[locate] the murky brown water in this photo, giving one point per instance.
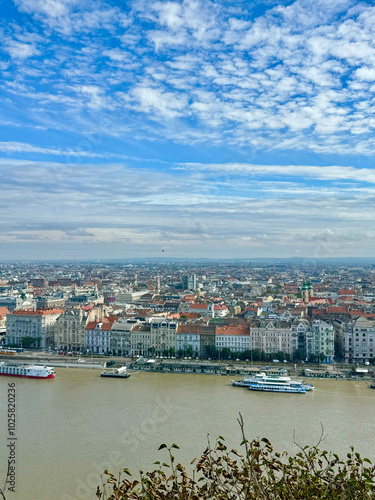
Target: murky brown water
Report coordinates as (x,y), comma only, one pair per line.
(73,427)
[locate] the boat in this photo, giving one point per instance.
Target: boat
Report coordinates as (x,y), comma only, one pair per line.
(242,383)
(263,382)
(28,371)
(116,373)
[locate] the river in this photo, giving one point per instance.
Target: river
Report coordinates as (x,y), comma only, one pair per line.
(71,428)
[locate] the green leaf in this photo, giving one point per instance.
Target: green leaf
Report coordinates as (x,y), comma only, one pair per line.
(162,446)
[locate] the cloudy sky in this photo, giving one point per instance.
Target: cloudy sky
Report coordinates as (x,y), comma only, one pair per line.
(192,128)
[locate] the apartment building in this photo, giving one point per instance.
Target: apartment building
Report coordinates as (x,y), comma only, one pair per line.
(35,324)
(140,344)
(273,337)
(163,335)
(320,342)
(236,338)
(359,340)
(69,330)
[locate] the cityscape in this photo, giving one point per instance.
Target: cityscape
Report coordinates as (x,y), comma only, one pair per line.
(232,310)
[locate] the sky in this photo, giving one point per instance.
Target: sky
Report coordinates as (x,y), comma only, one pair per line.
(191,128)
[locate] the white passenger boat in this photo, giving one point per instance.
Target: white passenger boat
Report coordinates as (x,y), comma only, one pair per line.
(116,373)
(29,371)
(242,383)
(263,382)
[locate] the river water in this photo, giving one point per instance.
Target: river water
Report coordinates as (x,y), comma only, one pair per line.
(71,428)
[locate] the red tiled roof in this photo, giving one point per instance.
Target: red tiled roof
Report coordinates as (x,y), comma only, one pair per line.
(233,330)
(337,310)
(91,325)
(346,292)
(198,306)
(38,312)
(106,326)
(192,328)
(189,297)
(3,311)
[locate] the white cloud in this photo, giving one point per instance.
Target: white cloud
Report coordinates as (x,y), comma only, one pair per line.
(152,101)
(306,171)
(20,51)
(23,147)
(50,8)
(365,74)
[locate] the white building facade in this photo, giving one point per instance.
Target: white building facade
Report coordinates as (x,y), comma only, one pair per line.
(272,338)
(235,338)
(35,324)
(98,337)
(359,341)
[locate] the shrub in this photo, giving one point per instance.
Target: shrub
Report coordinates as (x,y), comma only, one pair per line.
(259,473)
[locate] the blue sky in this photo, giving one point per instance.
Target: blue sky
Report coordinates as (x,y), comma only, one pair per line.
(201,128)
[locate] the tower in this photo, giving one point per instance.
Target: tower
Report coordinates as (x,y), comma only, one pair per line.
(306,290)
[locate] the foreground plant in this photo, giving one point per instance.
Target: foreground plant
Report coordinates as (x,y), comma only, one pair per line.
(259,473)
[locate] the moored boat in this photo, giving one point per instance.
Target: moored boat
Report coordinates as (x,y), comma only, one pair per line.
(29,371)
(116,373)
(242,383)
(263,382)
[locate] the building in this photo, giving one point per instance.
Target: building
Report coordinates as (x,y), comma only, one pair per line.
(11,303)
(38,282)
(50,301)
(120,340)
(203,309)
(188,338)
(163,336)
(359,339)
(189,282)
(320,342)
(307,291)
(98,336)
(69,330)
(220,311)
(273,337)
(140,344)
(37,325)
(130,297)
(3,320)
(207,338)
(300,334)
(236,338)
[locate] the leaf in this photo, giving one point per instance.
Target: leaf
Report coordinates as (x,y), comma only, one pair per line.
(162,446)
(175,446)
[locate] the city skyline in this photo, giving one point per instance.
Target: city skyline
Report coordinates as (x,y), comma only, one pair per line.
(187,129)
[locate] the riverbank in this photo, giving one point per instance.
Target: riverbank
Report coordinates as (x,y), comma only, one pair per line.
(194,366)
